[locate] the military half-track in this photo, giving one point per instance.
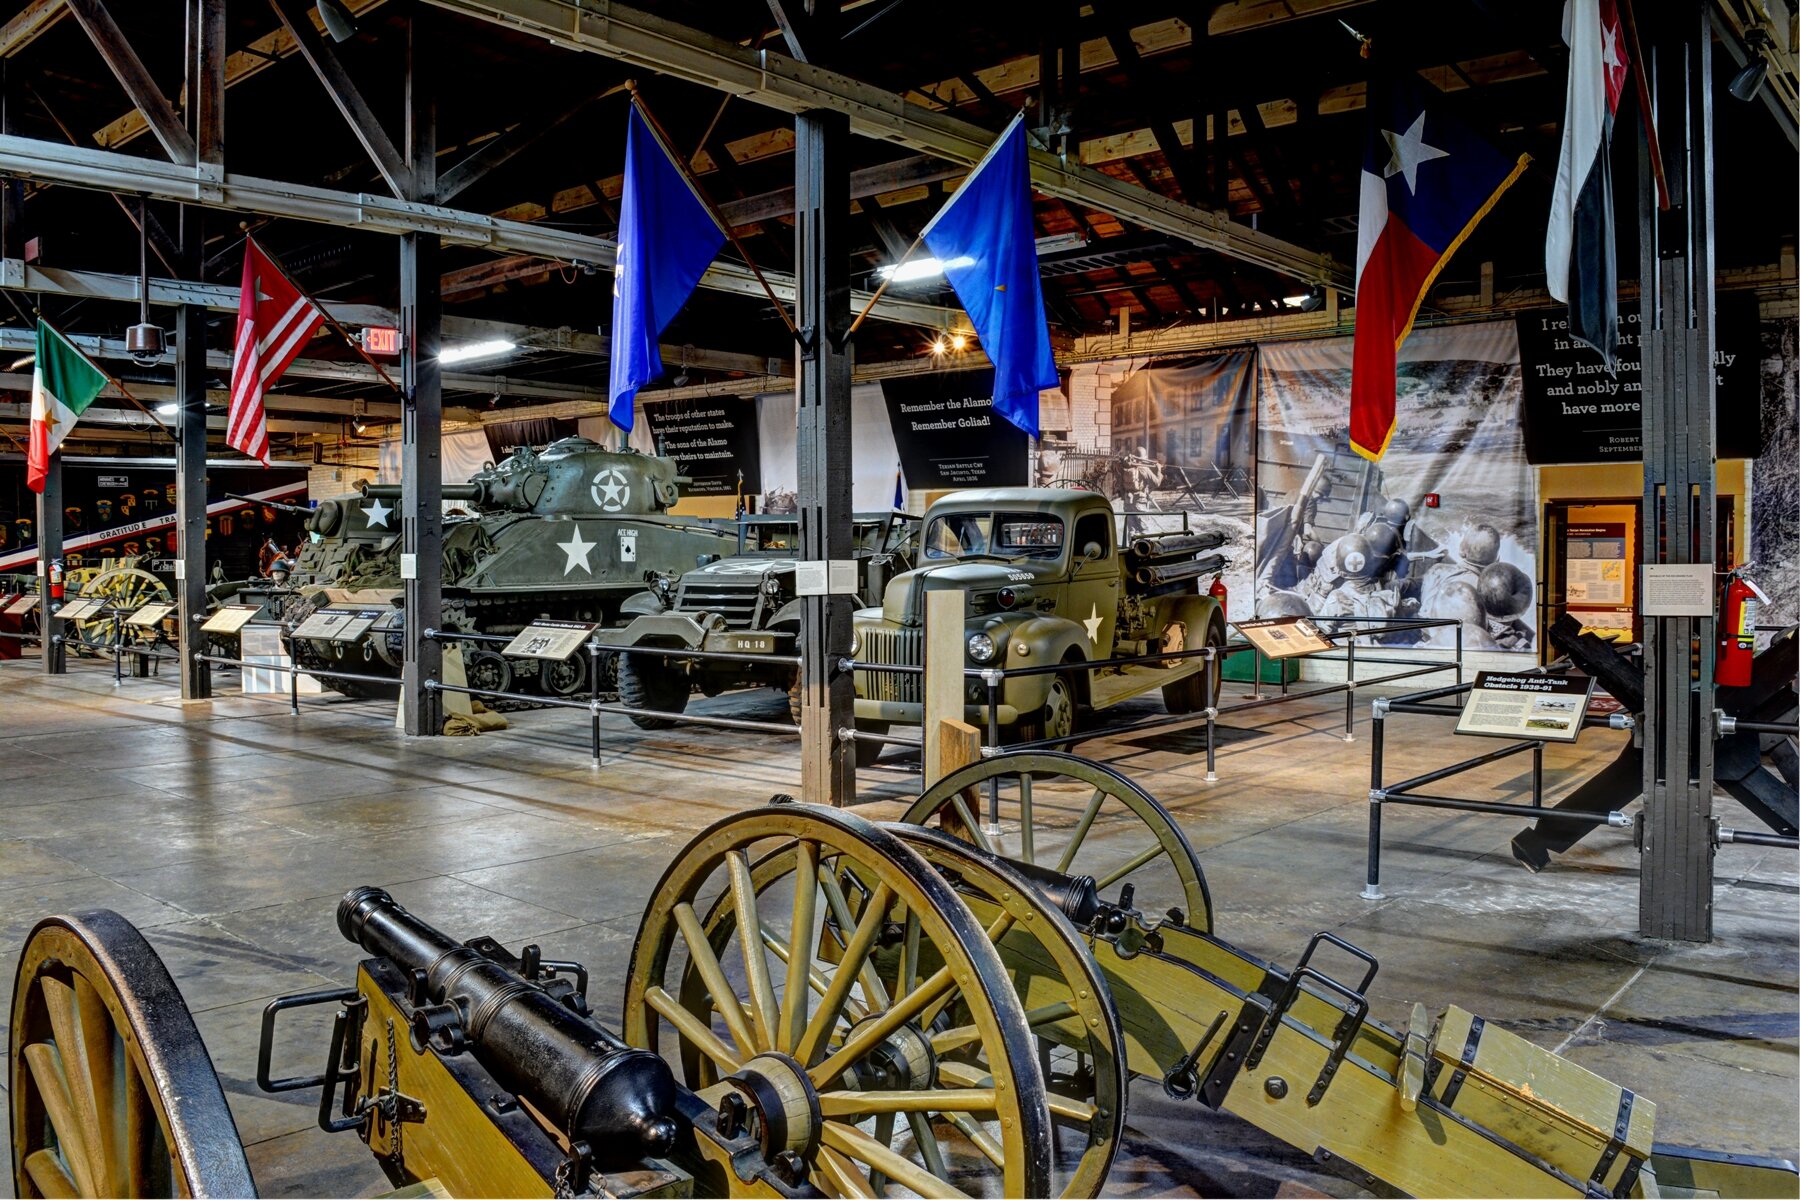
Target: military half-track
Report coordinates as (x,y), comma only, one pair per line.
(565,533)
(745,603)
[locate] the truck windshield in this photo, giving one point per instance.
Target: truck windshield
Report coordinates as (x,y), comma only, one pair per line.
(1006,534)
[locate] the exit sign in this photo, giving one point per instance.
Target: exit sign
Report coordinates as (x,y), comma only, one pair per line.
(381,339)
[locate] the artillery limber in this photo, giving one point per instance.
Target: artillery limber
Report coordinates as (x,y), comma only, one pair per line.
(818,1004)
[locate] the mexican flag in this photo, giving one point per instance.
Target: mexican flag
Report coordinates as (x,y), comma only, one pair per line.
(63,384)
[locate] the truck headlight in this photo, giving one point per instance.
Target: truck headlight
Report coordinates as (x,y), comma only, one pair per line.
(855,641)
(981,647)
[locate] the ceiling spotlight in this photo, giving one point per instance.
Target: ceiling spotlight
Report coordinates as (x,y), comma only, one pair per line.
(1749,80)
(19,364)
(470,350)
(1314,299)
(338,20)
(914,269)
(959,341)
(167,409)
(144,342)
(941,345)
(359,425)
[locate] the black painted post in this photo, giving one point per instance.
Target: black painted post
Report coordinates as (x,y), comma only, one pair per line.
(190,469)
(422,409)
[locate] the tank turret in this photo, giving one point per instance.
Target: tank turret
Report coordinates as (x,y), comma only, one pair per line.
(573,477)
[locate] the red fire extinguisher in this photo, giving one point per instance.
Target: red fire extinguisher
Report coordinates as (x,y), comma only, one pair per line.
(1737,630)
(1218,588)
(56,579)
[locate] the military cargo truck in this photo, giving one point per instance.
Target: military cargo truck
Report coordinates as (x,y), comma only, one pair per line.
(1047,580)
(742,604)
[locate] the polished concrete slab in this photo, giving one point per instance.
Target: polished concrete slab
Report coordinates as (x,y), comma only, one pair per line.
(228,830)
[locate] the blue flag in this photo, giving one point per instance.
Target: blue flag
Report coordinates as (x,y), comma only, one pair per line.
(667,239)
(987,243)
(899,489)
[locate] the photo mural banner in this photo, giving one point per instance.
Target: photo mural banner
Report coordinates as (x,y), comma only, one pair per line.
(1174,450)
(1337,535)
(948,434)
(711,441)
(1576,413)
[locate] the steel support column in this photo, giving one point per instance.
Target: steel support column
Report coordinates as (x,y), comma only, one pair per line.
(822,258)
(422,409)
(50,549)
(190,468)
(1675,888)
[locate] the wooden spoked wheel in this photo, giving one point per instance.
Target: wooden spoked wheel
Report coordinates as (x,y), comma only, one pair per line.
(1066,1001)
(120,587)
(1077,817)
(819,1023)
(113,1093)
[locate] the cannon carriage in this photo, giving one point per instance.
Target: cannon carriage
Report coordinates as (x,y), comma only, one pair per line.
(952,1004)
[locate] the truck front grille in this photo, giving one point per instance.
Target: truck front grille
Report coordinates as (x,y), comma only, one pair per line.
(739,603)
(900,647)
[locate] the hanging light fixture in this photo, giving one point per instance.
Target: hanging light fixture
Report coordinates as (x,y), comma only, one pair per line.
(1749,79)
(338,20)
(144,342)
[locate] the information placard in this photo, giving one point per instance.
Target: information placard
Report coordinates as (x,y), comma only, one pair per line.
(324,624)
(1548,708)
(1284,637)
(1677,590)
(149,615)
(231,618)
(359,623)
(79,610)
(23,604)
(551,641)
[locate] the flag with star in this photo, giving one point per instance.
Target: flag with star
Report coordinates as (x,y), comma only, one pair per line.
(275,321)
(63,384)
(1581,266)
(1427,181)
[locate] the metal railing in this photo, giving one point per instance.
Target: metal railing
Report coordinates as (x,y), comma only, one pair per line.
(595,707)
(1210,710)
(1405,792)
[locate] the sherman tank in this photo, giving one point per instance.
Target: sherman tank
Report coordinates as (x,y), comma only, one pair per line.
(566,533)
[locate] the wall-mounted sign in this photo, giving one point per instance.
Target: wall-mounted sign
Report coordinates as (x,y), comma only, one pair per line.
(1548,708)
(381,339)
(1596,565)
(1576,412)
(711,441)
(1677,590)
(948,434)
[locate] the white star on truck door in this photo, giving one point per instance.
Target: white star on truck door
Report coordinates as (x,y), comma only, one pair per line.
(577,550)
(1093,621)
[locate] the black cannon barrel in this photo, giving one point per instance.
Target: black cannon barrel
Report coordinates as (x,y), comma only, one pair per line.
(1174,572)
(452,491)
(595,1088)
(1171,545)
(277,505)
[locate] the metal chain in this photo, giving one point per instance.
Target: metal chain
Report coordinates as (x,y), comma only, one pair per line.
(390,1103)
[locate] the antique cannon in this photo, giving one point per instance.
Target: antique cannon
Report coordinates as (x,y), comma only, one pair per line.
(817,1004)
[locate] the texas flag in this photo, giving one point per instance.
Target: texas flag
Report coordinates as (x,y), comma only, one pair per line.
(1580,263)
(1427,181)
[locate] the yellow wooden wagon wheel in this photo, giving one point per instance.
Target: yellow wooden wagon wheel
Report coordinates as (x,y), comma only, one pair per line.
(1064,994)
(1075,816)
(806,1027)
(113,1093)
(121,588)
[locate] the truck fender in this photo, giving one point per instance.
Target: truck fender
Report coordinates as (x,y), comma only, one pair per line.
(1052,639)
(1195,614)
(659,629)
(642,604)
(787,614)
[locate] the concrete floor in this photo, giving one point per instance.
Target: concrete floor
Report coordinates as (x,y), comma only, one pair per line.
(228,831)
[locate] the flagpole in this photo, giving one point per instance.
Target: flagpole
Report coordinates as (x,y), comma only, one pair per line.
(326,316)
(870,306)
(1639,77)
(706,202)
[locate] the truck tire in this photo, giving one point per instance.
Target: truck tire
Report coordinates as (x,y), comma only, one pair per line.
(1058,718)
(643,685)
(1188,694)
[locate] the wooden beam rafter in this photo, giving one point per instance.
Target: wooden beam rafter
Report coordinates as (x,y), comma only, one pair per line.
(346,96)
(126,67)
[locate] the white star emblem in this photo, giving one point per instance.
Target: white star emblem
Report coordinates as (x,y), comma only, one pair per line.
(577,550)
(1609,46)
(1409,151)
(610,490)
(1094,621)
(377,513)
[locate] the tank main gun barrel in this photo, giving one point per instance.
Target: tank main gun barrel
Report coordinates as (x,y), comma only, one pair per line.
(1160,573)
(1171,545)
(590,1084)
(451,491)
(277,505)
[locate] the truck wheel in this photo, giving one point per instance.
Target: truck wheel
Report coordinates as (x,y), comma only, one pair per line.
(1057,719)
(645,682)
(1188,694)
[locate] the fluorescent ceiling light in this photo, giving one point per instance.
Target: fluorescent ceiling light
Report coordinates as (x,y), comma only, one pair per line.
(168,409)
(1058,242)
(470,350)
(919,268)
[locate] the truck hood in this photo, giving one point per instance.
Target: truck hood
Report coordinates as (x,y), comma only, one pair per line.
(904,602)
(753,566)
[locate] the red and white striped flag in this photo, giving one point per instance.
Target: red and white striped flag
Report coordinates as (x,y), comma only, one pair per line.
(275,320)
